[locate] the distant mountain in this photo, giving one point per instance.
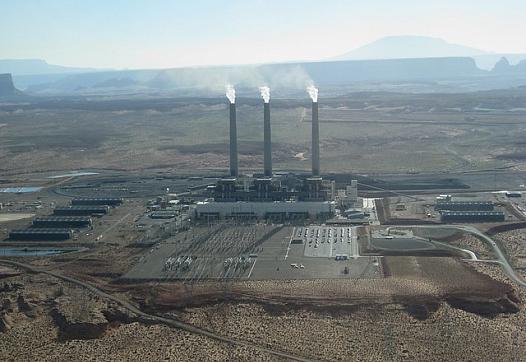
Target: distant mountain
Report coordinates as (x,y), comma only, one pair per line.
(503,67)
(409,46)
(7,88)
(488,61)
(36,67)
(289,77)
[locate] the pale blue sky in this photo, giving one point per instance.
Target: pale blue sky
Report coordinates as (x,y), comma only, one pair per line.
(163,33)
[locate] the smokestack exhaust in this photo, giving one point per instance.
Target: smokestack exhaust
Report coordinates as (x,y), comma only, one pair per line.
(233,141)
(267,143)
(315,140)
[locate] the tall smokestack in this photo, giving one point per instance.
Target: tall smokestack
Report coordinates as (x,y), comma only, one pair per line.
(231,95)
(315,140)
(313,93)
(267,144)
(267,140)
(233,141)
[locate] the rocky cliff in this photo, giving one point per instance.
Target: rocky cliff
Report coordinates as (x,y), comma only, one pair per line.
(7,88)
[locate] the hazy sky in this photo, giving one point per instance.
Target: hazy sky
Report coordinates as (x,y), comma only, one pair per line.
(172,33)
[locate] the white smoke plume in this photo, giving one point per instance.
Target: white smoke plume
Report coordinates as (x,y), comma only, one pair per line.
(265,93)
(313,93)
(231,93)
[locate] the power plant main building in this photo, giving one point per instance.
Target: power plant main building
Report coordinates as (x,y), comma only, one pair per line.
(269,196)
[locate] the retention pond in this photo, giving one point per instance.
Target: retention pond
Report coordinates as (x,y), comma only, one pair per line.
(34,251)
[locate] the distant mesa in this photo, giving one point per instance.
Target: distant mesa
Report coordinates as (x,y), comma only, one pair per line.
(35,67)
(117,82)
(502,66)
(7,88)
(409,46)
(413,46)
(196,81)
(396,62)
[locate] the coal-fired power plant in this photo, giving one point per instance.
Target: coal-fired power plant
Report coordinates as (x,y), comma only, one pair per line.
(315,140)
(267,143)
(278,197)
(233,141)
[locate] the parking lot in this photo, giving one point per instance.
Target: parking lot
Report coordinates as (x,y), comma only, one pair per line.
(326,241)
(314,252)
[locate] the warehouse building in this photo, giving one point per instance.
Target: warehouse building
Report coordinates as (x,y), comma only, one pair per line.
(513,194)
(472,216)
(81,210)
(62,222)
(163,214)
(110,201)
(37,234)
(464,205)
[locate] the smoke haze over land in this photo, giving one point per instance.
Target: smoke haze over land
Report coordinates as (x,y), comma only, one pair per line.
(286,80)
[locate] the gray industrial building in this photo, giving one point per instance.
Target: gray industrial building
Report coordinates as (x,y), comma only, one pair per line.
(163,214)
(472,216)
(464,205)
(62,222)
(265,210)
(81,210)
(513,194)
(110,201)
(37,234)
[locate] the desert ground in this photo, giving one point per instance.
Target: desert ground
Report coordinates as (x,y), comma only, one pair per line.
(361,132)
(477,315)
(436,306)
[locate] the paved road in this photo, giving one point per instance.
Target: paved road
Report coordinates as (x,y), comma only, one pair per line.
(472,255)
(500,255)
(355,250)
(369,205)
(150,317)
(114,225)
(508,269)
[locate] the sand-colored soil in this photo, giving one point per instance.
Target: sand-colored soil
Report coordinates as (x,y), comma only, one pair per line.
(14,216)
(359,320)
(470,242)
(515,244)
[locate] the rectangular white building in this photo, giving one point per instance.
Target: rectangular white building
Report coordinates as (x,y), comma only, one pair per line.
(262,210)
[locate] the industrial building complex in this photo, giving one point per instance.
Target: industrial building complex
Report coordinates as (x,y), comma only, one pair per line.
(472,216)
(81,210)
(37,234)
(62,221)
(465,205)
(104,201)
(267,197)
(260,242)
(66,221)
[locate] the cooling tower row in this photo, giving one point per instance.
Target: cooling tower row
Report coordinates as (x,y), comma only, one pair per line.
(267,141)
